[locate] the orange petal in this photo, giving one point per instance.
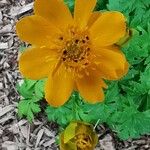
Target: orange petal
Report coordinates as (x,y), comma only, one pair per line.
(83,11)
(55,11)
(108,29)
(90,88)
(94,16)
(36,63)
(111,62)
(59,87)
(36,30)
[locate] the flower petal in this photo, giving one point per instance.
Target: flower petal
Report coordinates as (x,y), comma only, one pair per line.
(36,63)
(94,16)
(108,29)
(90,88)
(59,87)
(55,11)
(36,30)
(83,11)
(111,62)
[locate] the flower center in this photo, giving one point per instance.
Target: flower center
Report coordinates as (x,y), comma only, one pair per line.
(76,51)
(76,48)
(83,141)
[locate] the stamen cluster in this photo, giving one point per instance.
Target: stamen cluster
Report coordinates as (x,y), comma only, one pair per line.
(76,49)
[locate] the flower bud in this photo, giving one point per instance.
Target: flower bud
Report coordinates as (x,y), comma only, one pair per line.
(78,136)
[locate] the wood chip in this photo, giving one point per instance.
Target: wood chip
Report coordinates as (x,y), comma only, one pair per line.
(24,131)
(3,46)
(6,110)
(3,2)
(49,133)
(1,132)
(15,11)
(21,122)
(49,143)
(39,136)
(9,145)
(1,16)
(107,143)
(6,118)
(6,29)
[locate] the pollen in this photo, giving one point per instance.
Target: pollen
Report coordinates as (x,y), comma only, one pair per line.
(83,141)
(76,49)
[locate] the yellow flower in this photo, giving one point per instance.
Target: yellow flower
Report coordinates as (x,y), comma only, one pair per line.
(78,136)
(75,52)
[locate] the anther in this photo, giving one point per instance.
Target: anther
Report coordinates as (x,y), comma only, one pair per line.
(86,64)
(82,58)
(61,38)
(72,32)
(83,41)
(64,59)
(75,60)
(87,37)
(88,49)
(64,52)
(76,41)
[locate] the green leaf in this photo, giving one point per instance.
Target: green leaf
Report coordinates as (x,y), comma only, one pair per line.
(39,89)
(70,4)
(35,108)
(112,93)
(130,123)
(30,115)
(145,103)
(145,78)
(26,89)
(28,108)
(32,92)
(135,10)
(23,107)
(101,5)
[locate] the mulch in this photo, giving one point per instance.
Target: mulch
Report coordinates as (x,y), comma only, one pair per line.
(19,134)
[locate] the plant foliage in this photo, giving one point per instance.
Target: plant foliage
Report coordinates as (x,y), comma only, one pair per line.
(32,92)
(126,108)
